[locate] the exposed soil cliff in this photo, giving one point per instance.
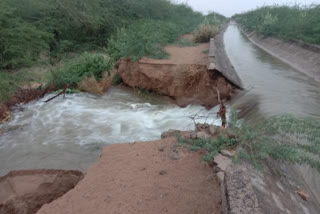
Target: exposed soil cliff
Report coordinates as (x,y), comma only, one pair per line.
(187,84)
(184,77)
(25,191)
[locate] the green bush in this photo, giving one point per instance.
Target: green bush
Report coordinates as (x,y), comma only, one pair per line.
(205,32)
(20,42)
(142,38)
(10,82)
(85,66)
(37,28)
(209,28)
(289,22)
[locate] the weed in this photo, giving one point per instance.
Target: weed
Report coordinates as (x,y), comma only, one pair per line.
(185,43)
(205,32)
(283,138)
(117,80)
(213,147)
(205,51)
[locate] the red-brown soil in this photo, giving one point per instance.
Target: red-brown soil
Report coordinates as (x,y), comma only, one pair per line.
(184,76)
(183,55)
(25,191)
(144,177)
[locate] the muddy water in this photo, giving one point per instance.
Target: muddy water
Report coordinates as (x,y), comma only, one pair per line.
(69,133)
(275,87)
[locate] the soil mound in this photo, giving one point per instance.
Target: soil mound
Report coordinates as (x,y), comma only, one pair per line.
(144,177)
(25,191)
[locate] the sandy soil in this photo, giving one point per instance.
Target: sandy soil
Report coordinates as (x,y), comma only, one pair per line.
(25,191)
(149,177)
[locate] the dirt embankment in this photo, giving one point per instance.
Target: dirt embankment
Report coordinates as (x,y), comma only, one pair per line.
(301,56)
(184,77)
(144,177)
(25,191)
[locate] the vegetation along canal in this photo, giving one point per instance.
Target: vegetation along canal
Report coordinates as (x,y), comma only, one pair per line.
(274,86)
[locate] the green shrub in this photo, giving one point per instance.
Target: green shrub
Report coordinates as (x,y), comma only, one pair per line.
(205,32)
(37,28)
(142,38)
(10,82)
(116,80)
(85,66)
(289,22)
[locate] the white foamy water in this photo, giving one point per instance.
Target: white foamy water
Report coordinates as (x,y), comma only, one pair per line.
(69,133)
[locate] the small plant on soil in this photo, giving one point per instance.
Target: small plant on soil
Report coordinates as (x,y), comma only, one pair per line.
(282,138)
(68,91)
(117,80)
(185,43)
(213,147)
(205,32)
(205,51)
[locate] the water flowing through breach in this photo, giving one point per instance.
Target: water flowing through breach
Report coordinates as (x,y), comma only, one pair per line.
(69,133)
(275,88)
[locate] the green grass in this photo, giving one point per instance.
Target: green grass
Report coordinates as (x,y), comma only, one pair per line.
(289,22)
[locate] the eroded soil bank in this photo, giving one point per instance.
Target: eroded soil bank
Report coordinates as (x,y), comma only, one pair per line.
(25,191)
(184,77)
(144,177)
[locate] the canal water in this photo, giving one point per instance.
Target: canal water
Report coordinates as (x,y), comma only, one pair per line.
(275,87)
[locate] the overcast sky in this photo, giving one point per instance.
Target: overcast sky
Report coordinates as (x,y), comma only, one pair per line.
(231,7)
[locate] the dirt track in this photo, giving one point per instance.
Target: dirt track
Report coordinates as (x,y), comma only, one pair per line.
(141,178)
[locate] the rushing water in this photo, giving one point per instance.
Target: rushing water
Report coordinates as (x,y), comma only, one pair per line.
(69,133)
(275,86)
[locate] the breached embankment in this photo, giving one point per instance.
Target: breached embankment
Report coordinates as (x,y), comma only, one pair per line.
(301,56)
(25,191)
(131,176)
(189,76)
